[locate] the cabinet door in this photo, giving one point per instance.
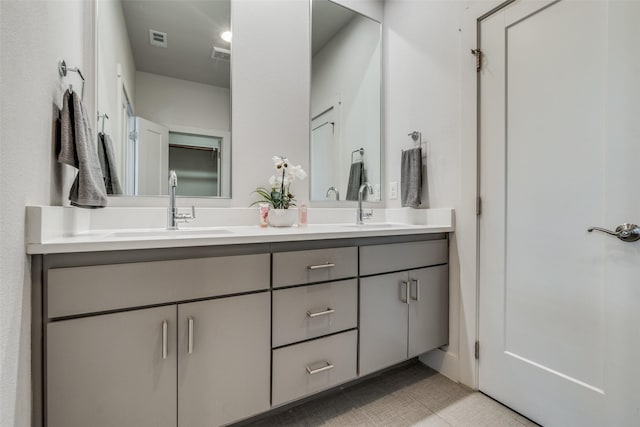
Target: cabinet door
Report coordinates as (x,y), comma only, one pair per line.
(224,368)
(383,321)
(428,309)
(113,370)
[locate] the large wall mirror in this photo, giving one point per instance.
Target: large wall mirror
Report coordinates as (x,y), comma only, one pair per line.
(345,102)
(164,95)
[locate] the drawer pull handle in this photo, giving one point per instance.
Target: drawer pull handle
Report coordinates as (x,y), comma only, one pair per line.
(311,315)
(317,371)
(415,282)
(404,292)
(320,266)
(190,333)
(165,331)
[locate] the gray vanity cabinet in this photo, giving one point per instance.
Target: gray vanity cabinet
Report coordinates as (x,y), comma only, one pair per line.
(406,312)
(189,343)
(402,315)
(428,309)
(223,359)
(113,370)
(383,322)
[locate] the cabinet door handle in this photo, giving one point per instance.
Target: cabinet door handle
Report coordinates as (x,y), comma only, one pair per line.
(311,314)
(404,291)
(326,367)
(415,282)
(165,331)
(190,335)
(320,266)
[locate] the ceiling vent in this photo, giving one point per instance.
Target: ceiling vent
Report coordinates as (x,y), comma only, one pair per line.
(157,38)
(220,53)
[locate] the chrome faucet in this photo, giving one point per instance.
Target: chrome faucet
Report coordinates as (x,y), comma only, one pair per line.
(173,216)
(334,190)
(359,213)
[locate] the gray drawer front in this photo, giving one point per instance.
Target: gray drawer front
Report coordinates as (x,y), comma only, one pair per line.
(313,311)
(291,380)
(78,290)
(300,267)
(402,256)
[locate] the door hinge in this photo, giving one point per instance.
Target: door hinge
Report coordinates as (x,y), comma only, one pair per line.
(478,205)
(477,350)
(133,135)
(478,54)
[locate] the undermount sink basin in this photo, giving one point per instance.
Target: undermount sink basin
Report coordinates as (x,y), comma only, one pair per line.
(170,233)
(375,225)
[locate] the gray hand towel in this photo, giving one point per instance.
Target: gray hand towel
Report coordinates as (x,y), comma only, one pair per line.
(108,164)
(356,179)
(411,177)
(78,149)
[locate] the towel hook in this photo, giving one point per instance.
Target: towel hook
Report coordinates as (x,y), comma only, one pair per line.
(63,69)
(104,117)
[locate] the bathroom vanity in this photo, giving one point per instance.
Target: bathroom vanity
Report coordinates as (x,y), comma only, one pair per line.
(210,332)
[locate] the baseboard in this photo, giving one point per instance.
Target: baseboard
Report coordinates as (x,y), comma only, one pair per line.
(445,363)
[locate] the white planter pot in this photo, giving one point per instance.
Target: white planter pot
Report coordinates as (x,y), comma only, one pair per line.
(283,217)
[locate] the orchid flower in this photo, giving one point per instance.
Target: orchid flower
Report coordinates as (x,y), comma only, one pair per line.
(279,196)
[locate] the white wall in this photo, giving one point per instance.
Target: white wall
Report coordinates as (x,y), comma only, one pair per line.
(34,35)
(169,101)
(423,92)
(347,69)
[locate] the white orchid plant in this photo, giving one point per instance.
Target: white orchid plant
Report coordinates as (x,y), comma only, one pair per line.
(279,195)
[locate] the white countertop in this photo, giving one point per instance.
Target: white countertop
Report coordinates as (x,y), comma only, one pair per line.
(52,230)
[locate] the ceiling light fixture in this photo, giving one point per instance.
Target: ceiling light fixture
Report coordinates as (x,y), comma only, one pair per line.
(226,36)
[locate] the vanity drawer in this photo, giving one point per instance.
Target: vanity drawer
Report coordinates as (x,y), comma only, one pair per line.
(318,265)
(377,259)
(312,366)
(77,290)
(314,310)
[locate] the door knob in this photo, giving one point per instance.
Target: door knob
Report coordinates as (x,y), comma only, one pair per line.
(625,232)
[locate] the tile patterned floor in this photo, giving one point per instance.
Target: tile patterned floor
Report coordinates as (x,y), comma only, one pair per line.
(412,395)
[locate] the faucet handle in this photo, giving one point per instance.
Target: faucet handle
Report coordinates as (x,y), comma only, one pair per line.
(186,217)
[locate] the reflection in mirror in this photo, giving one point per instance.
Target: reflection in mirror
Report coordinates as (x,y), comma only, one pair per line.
(164,84)
(345,102)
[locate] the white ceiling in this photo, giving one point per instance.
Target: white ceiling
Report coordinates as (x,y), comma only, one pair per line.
(327,19)
(192,27)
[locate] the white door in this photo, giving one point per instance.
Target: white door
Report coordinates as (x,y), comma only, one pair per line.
(153,158)
(560,141)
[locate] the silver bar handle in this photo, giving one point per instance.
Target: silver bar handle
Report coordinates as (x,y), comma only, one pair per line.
(415,282)
(327,366)
(165,331)
(190,335)
(404,292)
(311,314)
(321,266)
